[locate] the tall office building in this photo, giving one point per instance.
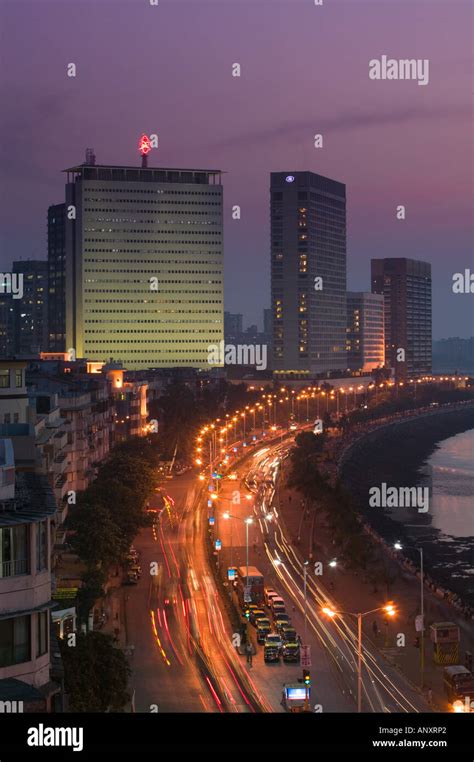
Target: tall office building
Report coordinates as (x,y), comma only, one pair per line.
(30,313)
(144,265)
(57,278)
(365,331)
(308,273)
(233,326)
(406,287)
(267,321)
(6,324)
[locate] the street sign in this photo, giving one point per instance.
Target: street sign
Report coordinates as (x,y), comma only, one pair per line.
(418,623)
(212,521)
(247,594)
(231,573)
(218,545)
(305,656)
(235,449)
(209,503)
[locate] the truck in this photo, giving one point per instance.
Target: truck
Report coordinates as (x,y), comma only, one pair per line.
(250,589)
(459,685)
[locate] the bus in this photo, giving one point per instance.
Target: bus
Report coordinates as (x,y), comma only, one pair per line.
(253,585)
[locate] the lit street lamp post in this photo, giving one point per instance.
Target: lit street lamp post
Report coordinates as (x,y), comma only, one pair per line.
(389,609)
(399,546)
(305,571)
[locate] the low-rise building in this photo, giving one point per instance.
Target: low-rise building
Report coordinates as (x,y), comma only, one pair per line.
(27,508)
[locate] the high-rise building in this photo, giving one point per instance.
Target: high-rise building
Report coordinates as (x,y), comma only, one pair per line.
(57,278)
(30,312)
(233,326)
(6,324)
(144,265)
(406,287)
(308,273)
(267,321)
(365,331)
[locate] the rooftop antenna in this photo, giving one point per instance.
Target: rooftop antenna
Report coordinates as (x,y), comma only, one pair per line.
(144,147)
(90,157)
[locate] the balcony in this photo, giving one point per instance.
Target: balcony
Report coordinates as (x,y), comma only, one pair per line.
(14,568)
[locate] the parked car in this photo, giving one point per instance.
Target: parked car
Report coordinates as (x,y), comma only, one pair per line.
(268,594)
(288,634)
(250,607)
(272,648)
(263,629)
(291,652)
(277,601)
(282,620)
(256,614)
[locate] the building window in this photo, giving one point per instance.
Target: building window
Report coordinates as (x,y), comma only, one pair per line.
(42,633)
(18,378)
(15,641)
(41,546)
(4,379)
(6,418)
(14,555)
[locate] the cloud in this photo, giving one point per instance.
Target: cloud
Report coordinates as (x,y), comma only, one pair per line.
(344,122)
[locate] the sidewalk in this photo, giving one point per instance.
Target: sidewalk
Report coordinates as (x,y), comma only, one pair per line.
(113,607)
(351,591)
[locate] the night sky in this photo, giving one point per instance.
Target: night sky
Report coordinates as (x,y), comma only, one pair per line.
(304,70)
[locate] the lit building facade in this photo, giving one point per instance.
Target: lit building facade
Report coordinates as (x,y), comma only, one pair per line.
(144,265)
(365,331)
(308,273)
(406,287)
(30,313)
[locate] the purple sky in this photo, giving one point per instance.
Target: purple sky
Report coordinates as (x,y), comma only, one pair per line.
(167,70)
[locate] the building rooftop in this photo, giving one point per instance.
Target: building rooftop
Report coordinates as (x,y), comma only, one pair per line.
(110,172)
(81,167)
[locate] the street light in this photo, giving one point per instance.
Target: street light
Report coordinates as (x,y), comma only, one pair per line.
(399,546)
(389,609)
(305,573)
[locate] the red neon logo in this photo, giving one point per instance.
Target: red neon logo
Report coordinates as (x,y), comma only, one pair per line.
(144,145)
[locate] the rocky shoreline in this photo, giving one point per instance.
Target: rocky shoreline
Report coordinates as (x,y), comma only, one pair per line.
(367,461)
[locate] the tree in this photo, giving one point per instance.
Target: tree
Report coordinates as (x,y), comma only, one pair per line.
(95,674)
(95,536)
(93,588)
(381,374)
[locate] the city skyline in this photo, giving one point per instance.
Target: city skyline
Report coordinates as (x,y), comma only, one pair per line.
(236,374)
(380,138)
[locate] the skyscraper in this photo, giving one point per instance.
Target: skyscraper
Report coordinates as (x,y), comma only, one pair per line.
(30,313)
(233,327)
(144,265)
(57,278)
(365,331)
(6,325)
(406,287)
(308,273)
(267,321)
